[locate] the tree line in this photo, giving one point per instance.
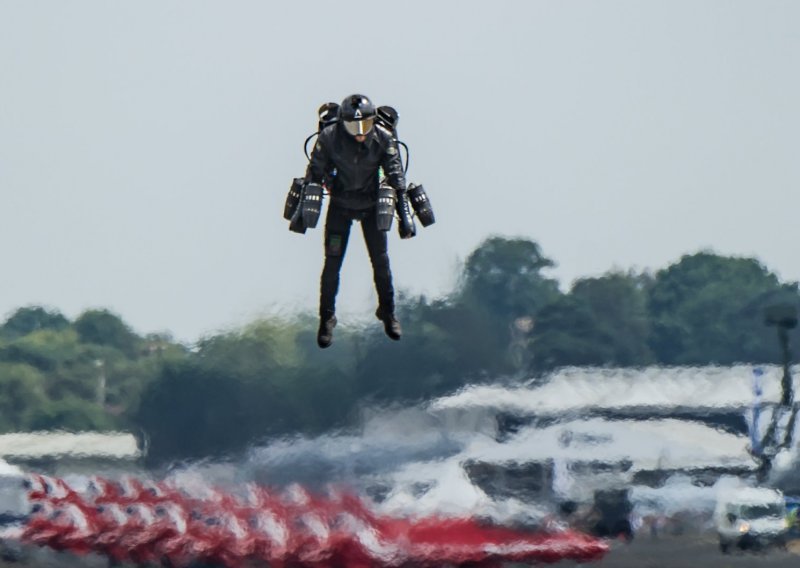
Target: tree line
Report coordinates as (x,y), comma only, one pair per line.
(505,320)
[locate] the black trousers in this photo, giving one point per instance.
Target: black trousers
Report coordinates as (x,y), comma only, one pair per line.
(337,233)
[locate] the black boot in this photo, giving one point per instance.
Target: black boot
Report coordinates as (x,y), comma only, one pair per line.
(325,332)
(390,324)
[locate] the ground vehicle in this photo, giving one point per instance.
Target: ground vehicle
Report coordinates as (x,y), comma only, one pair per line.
(750,517)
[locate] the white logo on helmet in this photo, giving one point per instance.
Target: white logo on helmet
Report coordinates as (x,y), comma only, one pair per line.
(357,114)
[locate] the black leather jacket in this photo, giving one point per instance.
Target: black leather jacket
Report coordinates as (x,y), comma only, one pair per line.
(355,183)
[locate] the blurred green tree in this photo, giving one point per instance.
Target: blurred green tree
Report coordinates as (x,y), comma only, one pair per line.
(602,321)
(22,392)
(504,277)
(243,386)
(32,318)
(103,327)
(708,308)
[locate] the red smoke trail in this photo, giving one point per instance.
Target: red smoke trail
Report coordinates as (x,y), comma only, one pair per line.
(143,522)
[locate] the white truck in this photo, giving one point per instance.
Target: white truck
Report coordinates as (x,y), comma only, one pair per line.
(750,518)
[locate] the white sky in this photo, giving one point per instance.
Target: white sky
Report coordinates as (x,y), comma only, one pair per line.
(146,147)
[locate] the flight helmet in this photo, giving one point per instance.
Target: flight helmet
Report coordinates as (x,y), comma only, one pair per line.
(357,114)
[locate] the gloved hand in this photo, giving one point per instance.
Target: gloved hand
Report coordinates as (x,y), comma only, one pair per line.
(406,226)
